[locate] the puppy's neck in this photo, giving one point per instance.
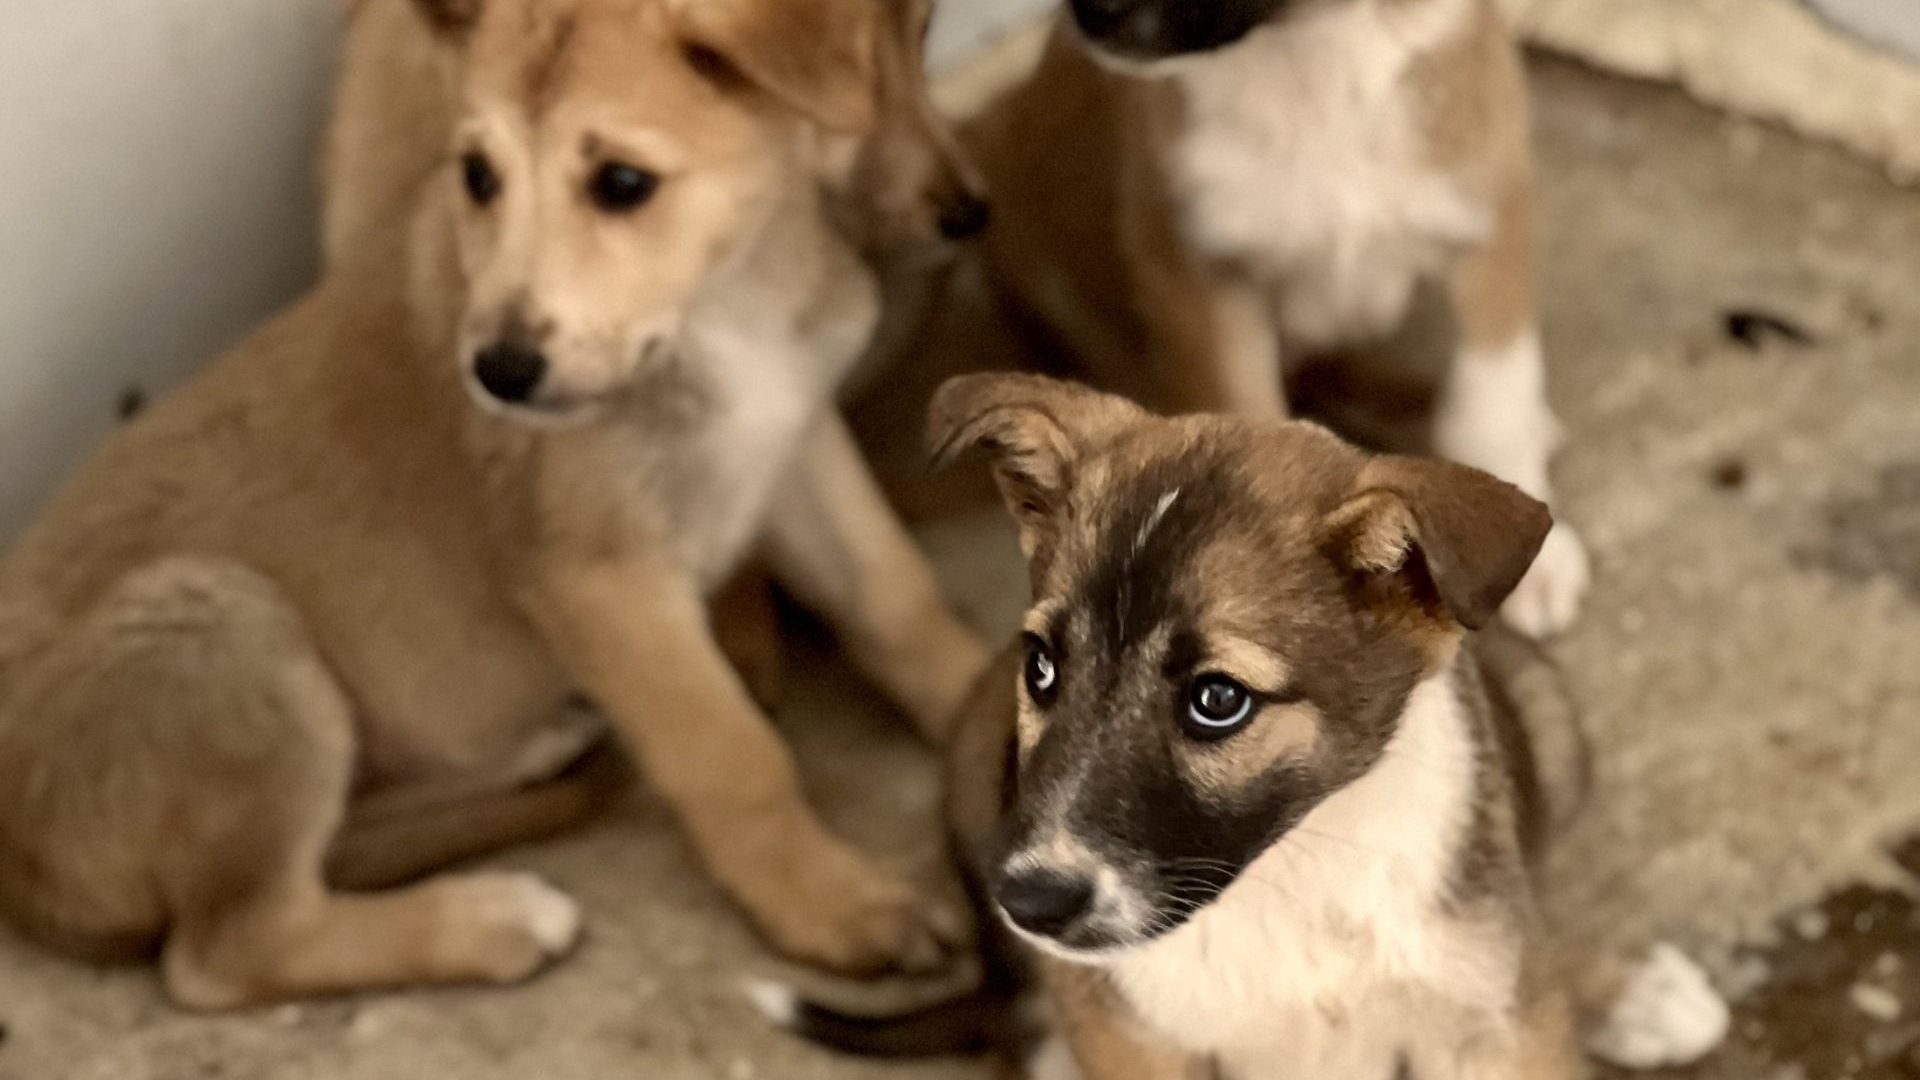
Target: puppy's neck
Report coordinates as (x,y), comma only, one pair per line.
(1348,903)
(797,293)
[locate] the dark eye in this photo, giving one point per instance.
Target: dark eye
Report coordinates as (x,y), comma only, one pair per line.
(1043,677)
(1217,707)
(483,184)
(618,188)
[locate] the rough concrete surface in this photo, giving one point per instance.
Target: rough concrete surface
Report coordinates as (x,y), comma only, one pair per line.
(1749,663)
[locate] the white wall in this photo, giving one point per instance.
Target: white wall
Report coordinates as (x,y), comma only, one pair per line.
(963,26)
(1891,23)
(156,198)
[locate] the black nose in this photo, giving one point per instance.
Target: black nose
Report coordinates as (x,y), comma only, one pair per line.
(1044,902)
(965,218)
(1100,18)
(510,371)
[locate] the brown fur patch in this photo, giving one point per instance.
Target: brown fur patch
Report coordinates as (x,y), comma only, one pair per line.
(547,63)
(1276,735)
(446,16)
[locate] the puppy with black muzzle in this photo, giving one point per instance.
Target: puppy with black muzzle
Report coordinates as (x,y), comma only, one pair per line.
(1193,195)
(1249,786)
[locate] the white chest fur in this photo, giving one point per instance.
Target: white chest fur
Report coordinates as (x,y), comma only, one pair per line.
(1299,154)
(1333,954)
(772,350)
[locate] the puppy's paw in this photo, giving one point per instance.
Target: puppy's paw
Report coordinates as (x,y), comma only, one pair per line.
(506,927)
(852,918)
(1053,1060)
(1549,596)
(1668,1014)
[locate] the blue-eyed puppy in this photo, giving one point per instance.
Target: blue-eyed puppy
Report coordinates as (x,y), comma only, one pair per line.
(1263,815)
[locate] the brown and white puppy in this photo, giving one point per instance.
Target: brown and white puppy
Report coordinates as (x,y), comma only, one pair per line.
(319,619)
(1192,193)
(1267,812)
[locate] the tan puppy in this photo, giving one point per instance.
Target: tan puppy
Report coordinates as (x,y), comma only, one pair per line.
(1273,807)
(331,602)
(903,194)
(1189,192)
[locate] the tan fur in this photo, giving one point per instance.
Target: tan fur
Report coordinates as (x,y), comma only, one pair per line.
(395,105)
(325,586)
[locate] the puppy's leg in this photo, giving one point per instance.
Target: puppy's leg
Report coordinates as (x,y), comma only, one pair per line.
(1542,1046)
(1102,1040)
(746,624)
(1213,340)
(634,633)
(839,547)
(197,765)
(1494,413)
(381,851)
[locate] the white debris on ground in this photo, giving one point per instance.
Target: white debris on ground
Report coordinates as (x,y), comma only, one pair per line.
(1875,1002)
(1811,924)
(1667,1014)
(1744,975)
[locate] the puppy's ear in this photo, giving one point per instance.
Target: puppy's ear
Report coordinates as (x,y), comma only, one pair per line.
(450,16)
(1466,538)
(1034,430)
(814,56)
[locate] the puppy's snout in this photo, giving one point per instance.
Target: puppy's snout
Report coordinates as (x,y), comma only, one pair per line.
(1044,902)
(509,370)
(965,217)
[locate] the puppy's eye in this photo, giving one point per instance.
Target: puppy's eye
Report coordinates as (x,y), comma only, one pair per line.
(1043,676)
(1217,707)
(482,183)
(618,188)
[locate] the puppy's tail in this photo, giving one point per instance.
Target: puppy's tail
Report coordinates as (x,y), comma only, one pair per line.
(989,1018)
(1540,724)
(974,1023)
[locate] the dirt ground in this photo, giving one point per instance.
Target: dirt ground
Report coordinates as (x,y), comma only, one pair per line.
(1749,663)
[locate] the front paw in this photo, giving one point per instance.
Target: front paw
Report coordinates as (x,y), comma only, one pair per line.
(848,916)
(1548,598)
(502,927)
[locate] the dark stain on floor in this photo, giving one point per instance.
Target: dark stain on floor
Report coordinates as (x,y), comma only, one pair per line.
(1755,328)
(1840,997)
(1837,997)
(1875,533)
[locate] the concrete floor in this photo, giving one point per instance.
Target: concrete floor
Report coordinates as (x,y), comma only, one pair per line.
(1749,663)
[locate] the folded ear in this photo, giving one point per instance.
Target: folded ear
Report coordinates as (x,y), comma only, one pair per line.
(814,56)
(1034,431)
(1465,535)
(450,16)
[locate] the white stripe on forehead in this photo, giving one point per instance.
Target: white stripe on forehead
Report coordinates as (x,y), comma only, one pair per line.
(1151,522)
(1153,519)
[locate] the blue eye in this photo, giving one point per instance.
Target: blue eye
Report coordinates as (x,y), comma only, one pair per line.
(1042,675)
(1217,707)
